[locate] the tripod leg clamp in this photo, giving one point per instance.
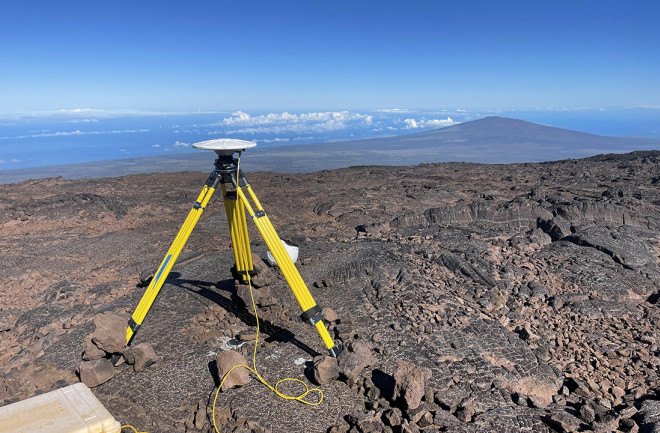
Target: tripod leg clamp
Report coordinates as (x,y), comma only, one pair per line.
(133,325)
(313,315)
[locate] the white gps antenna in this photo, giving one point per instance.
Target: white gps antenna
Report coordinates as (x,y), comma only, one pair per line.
(225,146)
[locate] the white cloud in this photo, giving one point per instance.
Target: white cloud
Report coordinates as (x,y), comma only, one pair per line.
(155,145)
(76,132)
(275,140)
(14,160)
(644,106)
(431,123)
(275,123)
(2,161)
(95,113)
(394,110)
(82,110)
(82,121)
(180,144)
(412,123)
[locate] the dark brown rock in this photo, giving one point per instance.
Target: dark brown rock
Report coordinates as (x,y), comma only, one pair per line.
(263,275)
(542,384)
(628,425)
(329,314)
(239,376)
(200,415)
(140,356)
(564,422)
(355,357)
(587,413)
(393,417)
(649,416)
(91,350)
(557,227)
(110,332)
(7,322)
(408,385)
(466,410)
(444,419)
(326,369)
(94,373)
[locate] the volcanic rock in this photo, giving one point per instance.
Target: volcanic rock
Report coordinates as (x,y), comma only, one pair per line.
(628,425)
(444,419)
(93,373)
(587,413)
(239,376)
(557,227)
(263,275)
(92,351)
(355,357)
(619,244)
(140,356)
(440,265)
(649,416)
(543,385)
(578,387)
(564,422)
(329,314)
(408,385)
(110,332)
(393,417)
(326,369)
(7,322)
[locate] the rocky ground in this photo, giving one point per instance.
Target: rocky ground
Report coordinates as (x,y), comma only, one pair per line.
(469,298)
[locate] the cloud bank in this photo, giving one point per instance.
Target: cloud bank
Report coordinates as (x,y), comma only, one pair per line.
(277,123)
(76,132)
(431,123)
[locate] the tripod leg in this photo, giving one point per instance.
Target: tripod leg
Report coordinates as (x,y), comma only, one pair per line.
(230,206)
(239,236)
(311,311)
(172,254)
(244,236)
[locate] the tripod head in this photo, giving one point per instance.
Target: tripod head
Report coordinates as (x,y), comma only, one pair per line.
(226,166)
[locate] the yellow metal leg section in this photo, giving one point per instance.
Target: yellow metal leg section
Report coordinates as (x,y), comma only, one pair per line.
(230,206)
(244,236)
(239,234)
(284,262)
(239,246)
(166,265)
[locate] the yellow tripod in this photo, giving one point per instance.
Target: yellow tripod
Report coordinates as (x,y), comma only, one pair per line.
(236,202)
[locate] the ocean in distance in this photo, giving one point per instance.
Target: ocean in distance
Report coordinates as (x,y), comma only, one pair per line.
(83,135)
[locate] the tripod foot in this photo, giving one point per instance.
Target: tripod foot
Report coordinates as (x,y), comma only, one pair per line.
(115,359)
(335,350)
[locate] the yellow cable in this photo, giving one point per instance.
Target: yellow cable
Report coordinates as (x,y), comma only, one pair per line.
(299,398)
(131,427)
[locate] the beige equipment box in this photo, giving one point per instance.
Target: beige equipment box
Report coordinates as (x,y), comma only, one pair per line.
(73,409)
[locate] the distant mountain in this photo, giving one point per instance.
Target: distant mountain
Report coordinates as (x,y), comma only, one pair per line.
(504,140)
(488,140)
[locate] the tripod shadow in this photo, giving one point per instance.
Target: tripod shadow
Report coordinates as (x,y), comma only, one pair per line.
(226,297)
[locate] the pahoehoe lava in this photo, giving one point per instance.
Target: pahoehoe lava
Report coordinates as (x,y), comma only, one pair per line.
(520,297)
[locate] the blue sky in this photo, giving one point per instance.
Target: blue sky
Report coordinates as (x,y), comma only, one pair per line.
(310,55)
